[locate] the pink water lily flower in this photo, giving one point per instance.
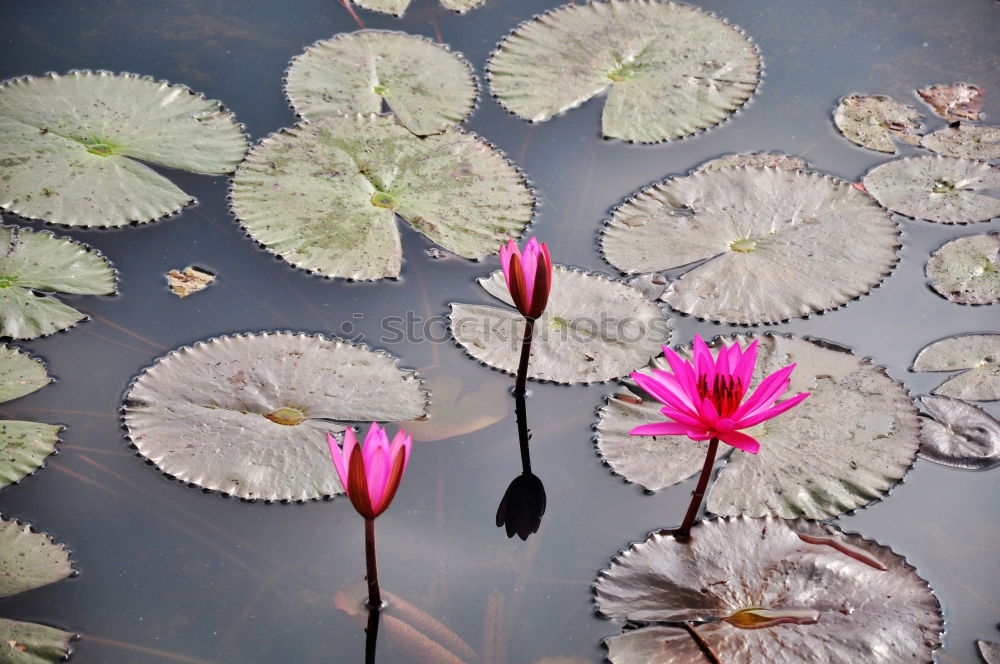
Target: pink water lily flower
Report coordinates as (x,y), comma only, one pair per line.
(528,275)
(707,398)
(371,474)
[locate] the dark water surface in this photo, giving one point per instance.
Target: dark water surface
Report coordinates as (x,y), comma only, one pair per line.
(169,574)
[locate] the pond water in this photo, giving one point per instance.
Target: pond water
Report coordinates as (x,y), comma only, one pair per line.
(170,574)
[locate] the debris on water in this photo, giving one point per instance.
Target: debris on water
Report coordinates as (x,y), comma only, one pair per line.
(434,252)
(191,280)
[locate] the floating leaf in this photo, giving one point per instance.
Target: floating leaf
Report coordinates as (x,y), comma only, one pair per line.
(846,446)
(989,651)
(593,329)
(765,245)
(428,87)
(72,146)
(397,7)
(34,263)
(24,446)
(20,374)
(978,354)
(874,121)
(967,270)
(461,5)
(768,590)
(670,69)
(188,282)
(31,643)
(246,414)
(969,141)
(324,195)
(942,189)
(29,560)
(777,160)
(954,102)
(960,435)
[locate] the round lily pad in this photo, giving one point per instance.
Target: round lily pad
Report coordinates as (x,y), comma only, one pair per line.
(593,329)
(756,160)
(967,270)
(324,195)
(977,354)
(425,85)
(36,263)
(874,121)
(246,414)
(24,446)
(959,101)
(768,590)
(762,245)
(847,445)
(942,189)
(959,435)
(31,643)
(669,70)
(398,7)
(969,141)
(72,146)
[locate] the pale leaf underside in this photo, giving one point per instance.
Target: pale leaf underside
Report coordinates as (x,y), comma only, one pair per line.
(977,356)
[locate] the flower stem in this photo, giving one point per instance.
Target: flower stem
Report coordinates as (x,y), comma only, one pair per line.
(371,635)
(523,436)
(702,643)
(374,594)
(699,492)
(522,369)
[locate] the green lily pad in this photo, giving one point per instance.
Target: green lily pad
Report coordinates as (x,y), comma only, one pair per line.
(968,141)
(593,329)
(942,189)
(72,146)
(960,435)
(24,446)
(20,374)
(425,85)
(777,160)
(954,102)
(398,7)
(977,354)
(967,270)
(246,414)
(31,643)
(324,195)
(669,70)
(761,245)
(844,447)
(768,590)
(36,263)
(874,121)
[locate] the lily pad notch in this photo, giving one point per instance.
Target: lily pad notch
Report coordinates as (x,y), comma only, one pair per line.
(24,446)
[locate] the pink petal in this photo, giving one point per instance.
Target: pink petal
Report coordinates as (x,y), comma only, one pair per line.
(740,441)
(704,363)
(683,370)
(744,368)
(769,389)
(684,418)
(529,265)
(338,455)
(661,388)
(701,434)
(768,413)
(401,444)
(660,429)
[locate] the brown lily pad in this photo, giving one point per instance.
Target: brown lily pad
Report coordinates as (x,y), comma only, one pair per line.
(188,282)
(959,101)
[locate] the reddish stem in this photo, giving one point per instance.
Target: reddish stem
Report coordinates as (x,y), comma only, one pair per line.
(699,492)
(702,643)
(520,387)
(374,594)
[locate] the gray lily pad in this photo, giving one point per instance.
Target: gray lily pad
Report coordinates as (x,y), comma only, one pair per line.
(960,435)
(968,141)
(31,643)
(24,446)
(942,189)
(777,160)
(398,7)
(977,354)
(72,146)
(324,195)
(425,85)
(989,651)
(768,590)
(954,102)
(761,245)
(669,70)
(36,263)
(967,270)
(874,121)
(246,414)
(845,446)
(593,329)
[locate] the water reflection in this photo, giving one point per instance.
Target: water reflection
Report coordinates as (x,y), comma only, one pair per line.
(371,635)
(523,504)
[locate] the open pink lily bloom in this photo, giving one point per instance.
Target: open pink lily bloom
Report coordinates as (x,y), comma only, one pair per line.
(371,474)
(528,275)
(708,398)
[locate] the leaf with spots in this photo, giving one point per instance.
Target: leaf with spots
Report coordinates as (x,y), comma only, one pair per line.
(398,7)
(24,446)
(959,101)
(958,434)
(968,141)
(977,356)
(967,269)
(777,160)
(31,643)
(874,121)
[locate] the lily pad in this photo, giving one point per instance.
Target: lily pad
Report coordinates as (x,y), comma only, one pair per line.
(424,84)
(324,195)
(874,121)
(24,446)
(845,447)
(977,354)
(968,141)
(246,414)
(398,7)
(761,245)
(954,102)
(593,329)
(967,270)
(669,70)
(777,160)
(31,643)
(36,263)
(989,651)
(72,146)
(960,435)
(768,590)
(942,189)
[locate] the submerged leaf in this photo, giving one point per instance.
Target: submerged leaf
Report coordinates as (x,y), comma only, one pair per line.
(967,270)
(874,121)
(960,435)
(31,643)
(847,445)
(762,591)
(942,189)
(959,101)
(777,160)
(669,69)
(969,141)
(593,329)
(978,354)
(72,146)
(425,85)
(324,195)
(763,245)
(246,414)
(459,409)
(29,560)
(397,7)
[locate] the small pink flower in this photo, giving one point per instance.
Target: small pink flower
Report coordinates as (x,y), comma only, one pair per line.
(528,275)
(371,474)
(707,398)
